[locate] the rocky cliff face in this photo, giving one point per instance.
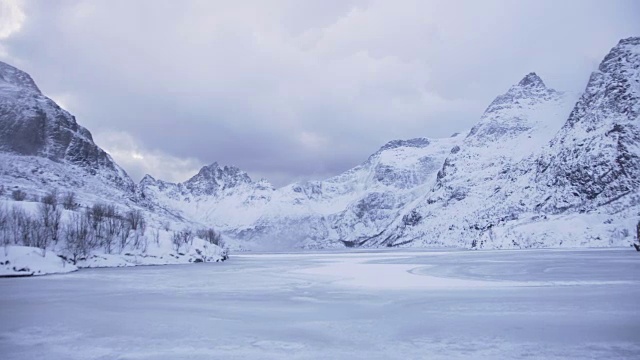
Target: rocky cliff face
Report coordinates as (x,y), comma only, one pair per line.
(594,160)
(34,125)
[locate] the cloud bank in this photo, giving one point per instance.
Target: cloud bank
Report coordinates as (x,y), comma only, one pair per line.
(291,90)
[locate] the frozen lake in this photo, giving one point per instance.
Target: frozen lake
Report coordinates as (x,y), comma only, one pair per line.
(538,304)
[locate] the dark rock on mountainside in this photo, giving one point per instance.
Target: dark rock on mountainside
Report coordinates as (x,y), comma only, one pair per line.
(34,125)
(595,158)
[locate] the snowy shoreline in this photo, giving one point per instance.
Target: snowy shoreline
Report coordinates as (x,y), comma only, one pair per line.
(24,261)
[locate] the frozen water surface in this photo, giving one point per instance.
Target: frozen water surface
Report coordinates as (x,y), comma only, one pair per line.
(538,304)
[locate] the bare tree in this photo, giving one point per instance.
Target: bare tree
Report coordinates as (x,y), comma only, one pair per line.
(16,223)
(176,240)
(112,224)
(136,220)
(156,236)
(5,236)
(38,234)
(180,238)
(78,232)
(50,215)
(96,215)
(124,231)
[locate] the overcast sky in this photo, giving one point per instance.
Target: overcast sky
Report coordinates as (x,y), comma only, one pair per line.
(291,89)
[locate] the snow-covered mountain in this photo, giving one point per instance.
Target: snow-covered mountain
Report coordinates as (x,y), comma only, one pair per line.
(541,168)
(537,173)
(344,210)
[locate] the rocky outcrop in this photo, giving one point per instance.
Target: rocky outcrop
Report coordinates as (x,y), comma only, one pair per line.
(595,158)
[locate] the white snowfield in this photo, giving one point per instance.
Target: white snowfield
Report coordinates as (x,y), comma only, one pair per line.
(536,304)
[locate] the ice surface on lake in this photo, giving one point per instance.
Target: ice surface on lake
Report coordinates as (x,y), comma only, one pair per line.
(536,304)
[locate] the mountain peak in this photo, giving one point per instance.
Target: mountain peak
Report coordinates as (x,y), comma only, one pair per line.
(532,80)
(16,77)
(635,41)
(213,177)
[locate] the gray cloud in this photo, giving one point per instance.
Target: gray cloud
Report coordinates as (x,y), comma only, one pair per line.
(295,90)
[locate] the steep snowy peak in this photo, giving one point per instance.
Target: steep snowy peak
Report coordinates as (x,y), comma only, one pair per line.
(516,112)
(595,158)
(474,177)
(11,77)
(213,178)
(34,125)
(532,81)
(515,125)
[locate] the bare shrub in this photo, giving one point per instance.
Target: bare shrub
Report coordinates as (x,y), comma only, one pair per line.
(69,201)
(180,238)
(18,195)
(211,236)
(51,198)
